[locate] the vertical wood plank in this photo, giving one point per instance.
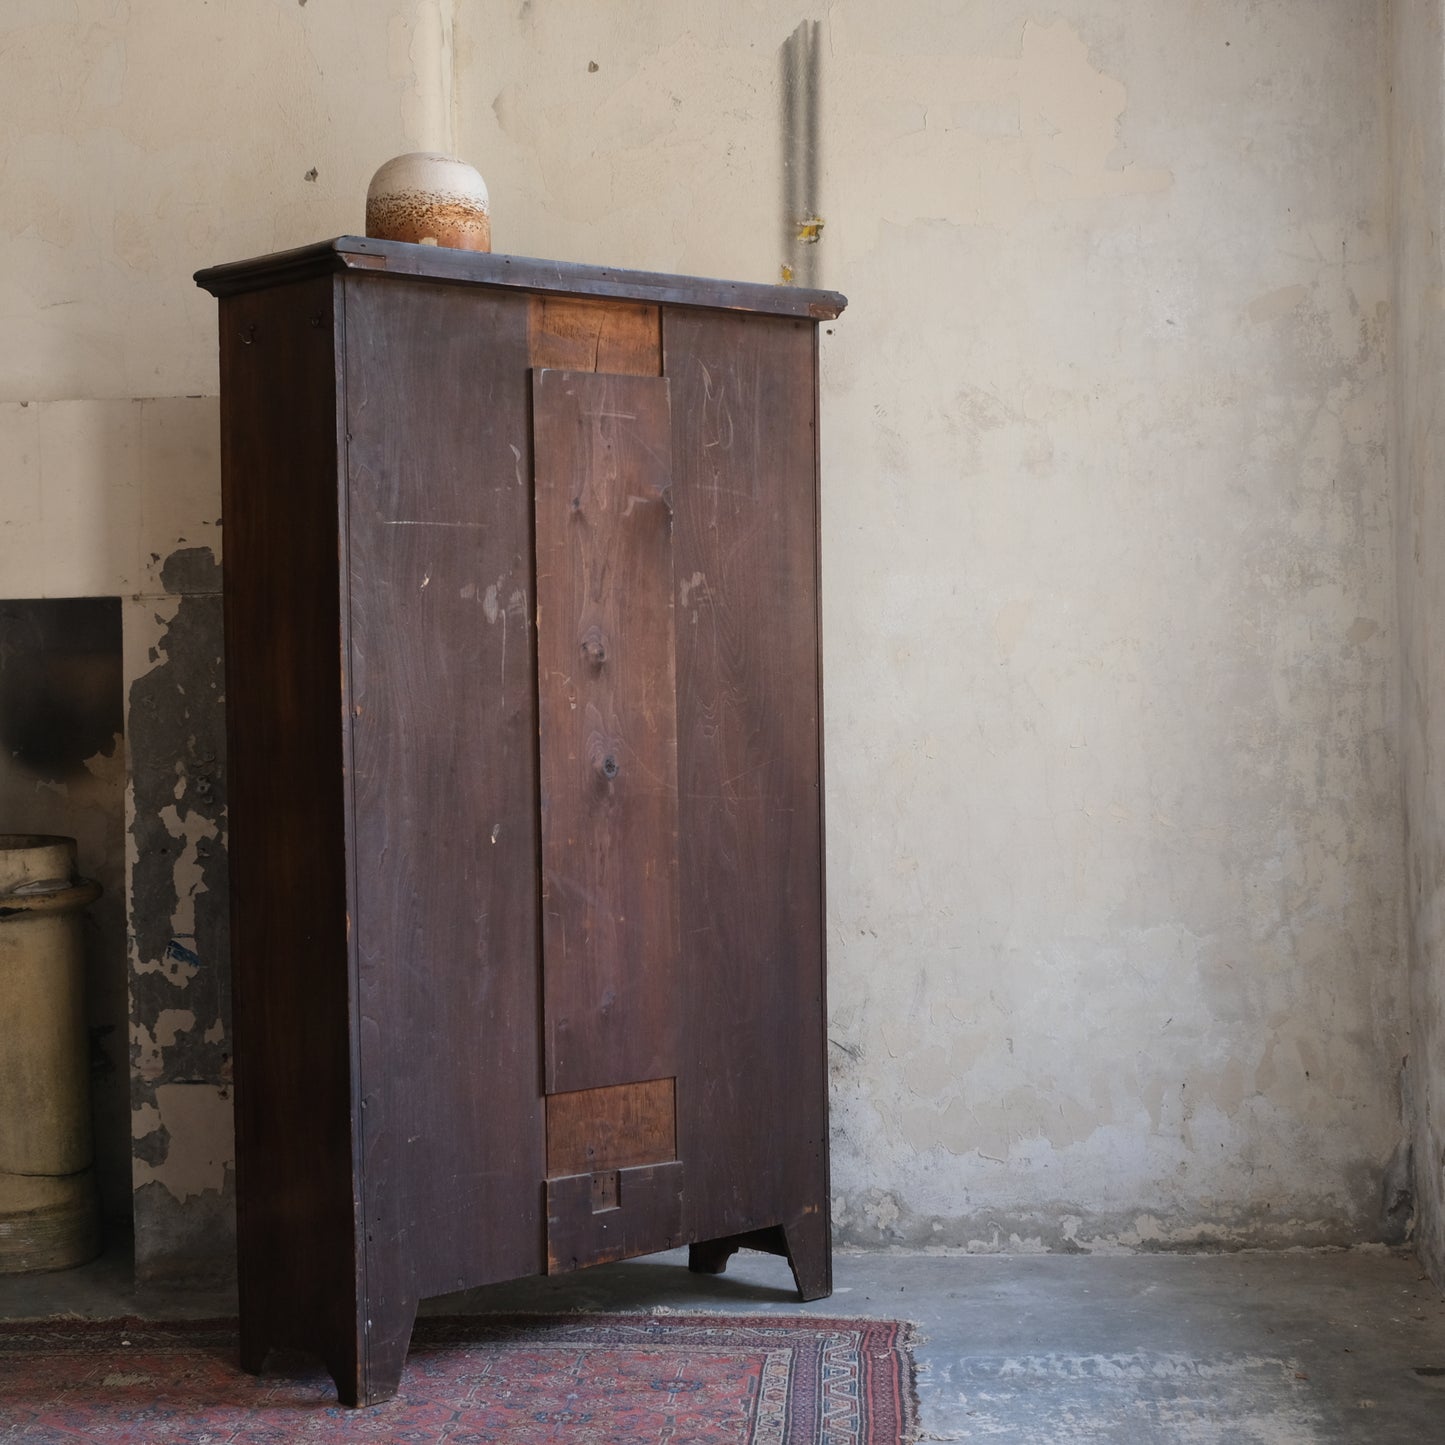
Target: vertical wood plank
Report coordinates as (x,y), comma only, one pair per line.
(607,716)
(290,964)
(752,1101)
(444,725)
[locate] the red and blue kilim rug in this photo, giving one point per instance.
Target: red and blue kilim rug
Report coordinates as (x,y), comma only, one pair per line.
(509,1379)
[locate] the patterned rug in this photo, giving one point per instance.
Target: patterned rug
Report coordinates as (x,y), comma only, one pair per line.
(511,1379)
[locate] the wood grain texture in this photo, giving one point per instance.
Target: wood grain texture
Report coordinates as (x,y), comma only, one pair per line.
(611,1128)
(646,1218)
(297,1227)
(412,827)
(571,335)
(443,719)
(752,1102)
(400,261)
(607,727)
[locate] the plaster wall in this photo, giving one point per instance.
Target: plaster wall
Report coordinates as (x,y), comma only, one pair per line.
(1113,816)
(1419,171)
(1113,813)
(138,143)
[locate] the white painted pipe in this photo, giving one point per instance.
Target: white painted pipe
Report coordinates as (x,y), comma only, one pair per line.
(48,1212)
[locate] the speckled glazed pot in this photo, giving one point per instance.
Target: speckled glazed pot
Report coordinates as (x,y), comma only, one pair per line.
(431,199)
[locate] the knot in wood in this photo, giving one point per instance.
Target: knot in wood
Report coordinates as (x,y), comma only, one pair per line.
(594,647)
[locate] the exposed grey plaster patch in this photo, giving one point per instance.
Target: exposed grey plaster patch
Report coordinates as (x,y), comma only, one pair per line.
(872,1218)
(178,908)
(190,1242)
(152,1148)
(192,570)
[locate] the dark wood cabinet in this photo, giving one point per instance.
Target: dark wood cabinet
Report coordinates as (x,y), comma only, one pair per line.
(523,696)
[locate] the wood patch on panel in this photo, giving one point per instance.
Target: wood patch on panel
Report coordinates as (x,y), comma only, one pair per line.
(619,1215)
(607,715)
(609,336)
(611,1128)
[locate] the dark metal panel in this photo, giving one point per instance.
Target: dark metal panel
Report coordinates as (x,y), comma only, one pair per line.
(607,715)
(443,722)
(752,1103)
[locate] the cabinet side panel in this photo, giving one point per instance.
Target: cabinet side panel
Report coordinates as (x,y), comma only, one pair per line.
(751,1089)
(295,1205)
(444,740)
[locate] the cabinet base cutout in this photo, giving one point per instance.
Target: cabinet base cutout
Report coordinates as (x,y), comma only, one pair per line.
(646,1218)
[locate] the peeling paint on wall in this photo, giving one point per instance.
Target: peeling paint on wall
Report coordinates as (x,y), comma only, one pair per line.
(190,1126)
(180,969)
(1113,800)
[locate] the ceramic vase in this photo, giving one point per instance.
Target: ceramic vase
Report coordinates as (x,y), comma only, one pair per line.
(431,200)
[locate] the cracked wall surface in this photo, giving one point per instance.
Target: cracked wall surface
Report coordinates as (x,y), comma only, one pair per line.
(139,144)
(1111,642)
(1419,168)
(1109,628)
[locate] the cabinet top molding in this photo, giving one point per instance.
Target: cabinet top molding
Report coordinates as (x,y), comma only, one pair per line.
(516,273)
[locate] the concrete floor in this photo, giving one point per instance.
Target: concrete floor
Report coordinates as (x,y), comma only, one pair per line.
(1279,1349)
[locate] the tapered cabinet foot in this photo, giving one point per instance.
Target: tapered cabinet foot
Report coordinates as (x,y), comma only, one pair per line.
(365,1377)
(809,1246)
(806,1244)
(387,1339)
(255,1349)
